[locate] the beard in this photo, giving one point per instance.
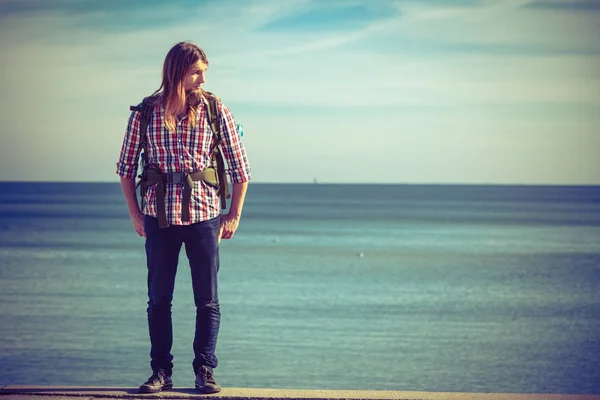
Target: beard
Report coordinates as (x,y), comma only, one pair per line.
(193,97)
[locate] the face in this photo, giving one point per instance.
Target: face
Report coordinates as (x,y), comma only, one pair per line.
(194,78)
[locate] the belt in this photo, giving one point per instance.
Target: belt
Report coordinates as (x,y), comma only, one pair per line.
(186,179)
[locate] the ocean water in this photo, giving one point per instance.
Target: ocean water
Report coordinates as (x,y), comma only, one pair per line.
(384,287)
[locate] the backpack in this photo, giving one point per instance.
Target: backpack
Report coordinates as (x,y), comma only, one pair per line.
(214,175)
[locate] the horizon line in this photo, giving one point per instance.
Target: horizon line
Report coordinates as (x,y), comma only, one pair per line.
(341,183)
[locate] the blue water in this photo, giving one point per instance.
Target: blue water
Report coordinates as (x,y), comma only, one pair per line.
(389,287)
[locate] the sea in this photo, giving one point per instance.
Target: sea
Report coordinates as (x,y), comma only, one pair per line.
(451,288)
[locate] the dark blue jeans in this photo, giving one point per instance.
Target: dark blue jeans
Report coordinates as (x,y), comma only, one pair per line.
(162,254)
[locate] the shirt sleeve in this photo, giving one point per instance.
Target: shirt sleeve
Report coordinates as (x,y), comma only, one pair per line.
(233,148)
(130,150)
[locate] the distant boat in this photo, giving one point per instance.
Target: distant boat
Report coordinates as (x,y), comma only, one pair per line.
(315,181)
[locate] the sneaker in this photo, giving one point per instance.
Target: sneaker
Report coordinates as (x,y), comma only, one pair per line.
(160,380)
(205,381)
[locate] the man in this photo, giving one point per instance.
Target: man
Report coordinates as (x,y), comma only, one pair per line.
(180,144)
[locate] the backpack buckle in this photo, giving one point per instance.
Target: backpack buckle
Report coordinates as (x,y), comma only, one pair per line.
(176,177)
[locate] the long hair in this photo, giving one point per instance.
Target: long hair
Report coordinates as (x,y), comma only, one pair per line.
(174,98)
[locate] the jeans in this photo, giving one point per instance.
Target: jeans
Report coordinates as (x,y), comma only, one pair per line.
(162,254)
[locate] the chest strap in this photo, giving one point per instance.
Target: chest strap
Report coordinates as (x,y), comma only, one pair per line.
(186,179)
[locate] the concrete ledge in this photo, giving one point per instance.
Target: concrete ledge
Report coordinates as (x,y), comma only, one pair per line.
(16,392)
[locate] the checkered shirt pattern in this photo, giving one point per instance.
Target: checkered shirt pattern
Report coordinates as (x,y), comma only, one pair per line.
(187,150)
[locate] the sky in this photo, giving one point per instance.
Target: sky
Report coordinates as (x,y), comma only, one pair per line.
(342,91)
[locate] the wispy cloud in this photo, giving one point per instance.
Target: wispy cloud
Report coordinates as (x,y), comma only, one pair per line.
(567,5)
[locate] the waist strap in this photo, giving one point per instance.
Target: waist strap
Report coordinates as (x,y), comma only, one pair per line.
(184,178)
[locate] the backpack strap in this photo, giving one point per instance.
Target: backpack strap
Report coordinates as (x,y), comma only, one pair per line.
(218,160)
(146,108)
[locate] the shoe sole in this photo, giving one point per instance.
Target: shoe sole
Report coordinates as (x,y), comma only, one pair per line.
(150,391)
(207,389)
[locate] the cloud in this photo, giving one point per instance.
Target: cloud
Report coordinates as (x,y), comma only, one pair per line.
(566,5)
(494,25)
(328,16)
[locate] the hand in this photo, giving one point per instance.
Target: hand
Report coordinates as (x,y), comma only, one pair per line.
(138,223)
(229,224)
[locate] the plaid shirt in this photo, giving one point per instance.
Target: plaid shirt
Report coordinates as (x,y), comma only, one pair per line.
(187,150)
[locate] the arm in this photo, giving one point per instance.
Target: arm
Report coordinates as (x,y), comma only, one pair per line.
(231,220)
(127,167)
(137,217)
(239,172)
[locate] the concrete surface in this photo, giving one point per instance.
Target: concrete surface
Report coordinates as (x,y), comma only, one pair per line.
(17,392)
